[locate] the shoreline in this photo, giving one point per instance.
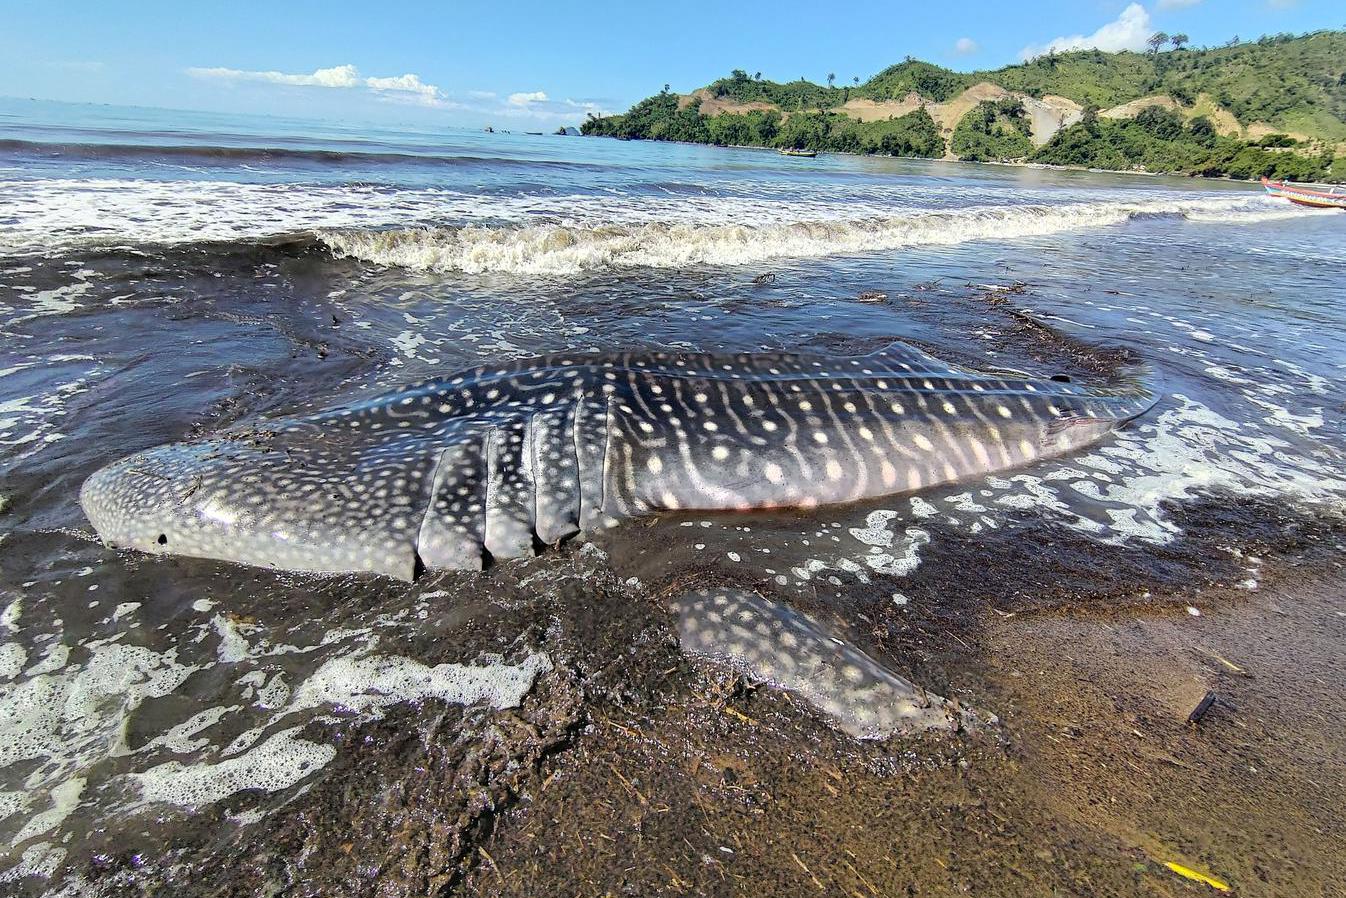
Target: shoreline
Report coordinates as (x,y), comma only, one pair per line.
(1007,164)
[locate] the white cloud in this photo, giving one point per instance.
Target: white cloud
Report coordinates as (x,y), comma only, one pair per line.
(528,98)
(411,84)
(1127,32)
(337,76)
(538,105)
(1175,4)
(965,45)
(409,88)
(346,77)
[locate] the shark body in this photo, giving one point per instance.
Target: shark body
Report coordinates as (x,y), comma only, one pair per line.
(498,460)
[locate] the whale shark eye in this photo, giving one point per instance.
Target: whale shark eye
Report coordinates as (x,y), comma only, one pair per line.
(163,539)
(1061,378)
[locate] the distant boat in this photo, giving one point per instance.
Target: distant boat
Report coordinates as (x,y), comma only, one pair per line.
(1329,198)
(791,151)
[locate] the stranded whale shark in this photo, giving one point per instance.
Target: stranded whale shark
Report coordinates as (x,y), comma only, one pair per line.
(497,460)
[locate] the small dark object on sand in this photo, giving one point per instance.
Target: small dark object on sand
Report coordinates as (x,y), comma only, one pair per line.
(872,296)
(768,278)
(1202,708)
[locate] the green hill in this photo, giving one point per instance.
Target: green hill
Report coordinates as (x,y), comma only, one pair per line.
(1288,89)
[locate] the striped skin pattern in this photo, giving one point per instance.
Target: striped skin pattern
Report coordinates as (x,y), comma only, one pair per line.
(496,460)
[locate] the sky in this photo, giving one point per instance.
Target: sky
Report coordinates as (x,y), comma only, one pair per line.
(544,64)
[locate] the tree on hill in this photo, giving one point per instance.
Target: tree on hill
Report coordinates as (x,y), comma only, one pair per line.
(993,130)
(831,78)
(1162,123)
(1203,131)
(1293,84)
(1157,141)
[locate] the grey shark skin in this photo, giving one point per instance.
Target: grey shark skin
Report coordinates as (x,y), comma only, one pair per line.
(774,644)
(498,459)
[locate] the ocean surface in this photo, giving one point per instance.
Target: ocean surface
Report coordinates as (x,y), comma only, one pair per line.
(164,274)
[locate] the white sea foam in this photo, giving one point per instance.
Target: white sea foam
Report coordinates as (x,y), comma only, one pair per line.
(278,763)
(81,709)
(368,683)
(355,683)
(561,249)
(29,422)
(1118,492)
(65,715)
(451,230)
(12,659)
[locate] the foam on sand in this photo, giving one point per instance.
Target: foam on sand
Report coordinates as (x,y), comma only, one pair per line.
(358,683)
(277,763)
(368,683)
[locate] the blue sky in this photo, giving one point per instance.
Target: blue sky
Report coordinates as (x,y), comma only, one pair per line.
(539,64)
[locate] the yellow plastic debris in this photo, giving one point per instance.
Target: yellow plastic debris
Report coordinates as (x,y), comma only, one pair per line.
(1198,877)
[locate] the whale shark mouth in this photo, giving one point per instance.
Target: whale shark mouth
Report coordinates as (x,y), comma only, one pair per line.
(498,461)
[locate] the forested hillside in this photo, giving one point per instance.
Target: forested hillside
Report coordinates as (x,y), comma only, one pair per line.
(1275,106)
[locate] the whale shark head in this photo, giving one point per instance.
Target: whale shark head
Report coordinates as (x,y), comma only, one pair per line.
(300,508)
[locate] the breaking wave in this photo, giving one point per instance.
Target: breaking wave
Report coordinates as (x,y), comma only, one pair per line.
(441,229)
(557,249)
(281,155)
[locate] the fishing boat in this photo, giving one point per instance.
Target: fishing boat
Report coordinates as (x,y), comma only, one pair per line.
(1318,198)
(792,151)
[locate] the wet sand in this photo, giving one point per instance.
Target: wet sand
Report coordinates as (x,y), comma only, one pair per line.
(631,769)
(1092,779)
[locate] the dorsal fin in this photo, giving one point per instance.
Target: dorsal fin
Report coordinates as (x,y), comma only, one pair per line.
(903,358)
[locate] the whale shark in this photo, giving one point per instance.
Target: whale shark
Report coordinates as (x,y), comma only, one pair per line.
(499,461)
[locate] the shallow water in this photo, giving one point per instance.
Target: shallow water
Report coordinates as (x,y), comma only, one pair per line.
(164,274)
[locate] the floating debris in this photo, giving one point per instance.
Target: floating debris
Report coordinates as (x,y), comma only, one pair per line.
(872,296)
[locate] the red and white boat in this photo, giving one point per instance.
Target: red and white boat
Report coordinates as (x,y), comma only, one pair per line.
(1318,198)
